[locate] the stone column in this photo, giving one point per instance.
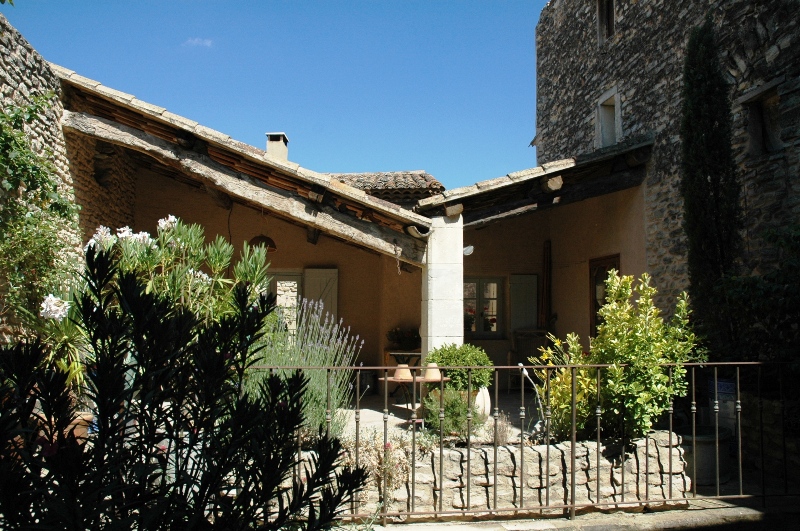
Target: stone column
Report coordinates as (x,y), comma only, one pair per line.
(443,285)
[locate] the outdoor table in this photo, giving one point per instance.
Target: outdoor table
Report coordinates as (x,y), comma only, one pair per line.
(403,383)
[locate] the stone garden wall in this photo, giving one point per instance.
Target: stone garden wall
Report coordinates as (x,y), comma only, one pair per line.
(643,61)
(647,477)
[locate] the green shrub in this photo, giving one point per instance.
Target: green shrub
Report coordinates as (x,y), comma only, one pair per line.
(637,345)
(176,442)
(560,387)
(463,356)
(177,263)
(34,212)
(455,413)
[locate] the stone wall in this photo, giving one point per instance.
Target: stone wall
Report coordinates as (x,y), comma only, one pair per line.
(643,61)
(24,74)
(647,477)
(104,182)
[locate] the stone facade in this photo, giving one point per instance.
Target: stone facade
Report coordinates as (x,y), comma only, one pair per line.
(647,477)
(24,74)
(104,182)
(639,69)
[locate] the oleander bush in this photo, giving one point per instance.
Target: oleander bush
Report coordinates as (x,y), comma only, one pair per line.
(176,441)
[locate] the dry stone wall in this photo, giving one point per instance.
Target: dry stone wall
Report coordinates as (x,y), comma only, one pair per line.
(647,476)
(643,61)
(99,178)
(104,182)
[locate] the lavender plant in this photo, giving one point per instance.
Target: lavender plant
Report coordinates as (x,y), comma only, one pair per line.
(318,341)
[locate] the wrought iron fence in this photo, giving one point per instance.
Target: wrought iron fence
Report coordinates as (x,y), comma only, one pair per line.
(736,434)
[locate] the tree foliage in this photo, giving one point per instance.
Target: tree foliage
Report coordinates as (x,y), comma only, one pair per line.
(710,187)
(176,442)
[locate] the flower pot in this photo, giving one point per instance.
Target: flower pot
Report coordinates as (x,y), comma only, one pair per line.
(705,444)
(483,401)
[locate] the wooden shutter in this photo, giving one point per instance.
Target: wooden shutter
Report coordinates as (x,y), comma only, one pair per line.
(524,291)
(322,284)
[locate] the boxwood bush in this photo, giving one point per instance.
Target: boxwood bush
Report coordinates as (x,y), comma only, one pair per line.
(461,356)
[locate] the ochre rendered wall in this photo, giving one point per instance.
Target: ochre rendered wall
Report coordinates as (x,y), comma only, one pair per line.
(606,225)
(372,297)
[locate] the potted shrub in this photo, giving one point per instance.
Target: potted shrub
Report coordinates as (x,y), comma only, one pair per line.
(466,356)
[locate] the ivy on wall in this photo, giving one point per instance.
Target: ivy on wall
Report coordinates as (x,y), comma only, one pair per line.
(33,214)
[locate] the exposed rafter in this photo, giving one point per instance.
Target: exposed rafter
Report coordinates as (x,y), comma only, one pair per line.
(336,219)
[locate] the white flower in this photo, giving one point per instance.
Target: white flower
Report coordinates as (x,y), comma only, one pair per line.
(167,223)
(54,308)
(124,232)
(143,238)
(102,238)
(199,275)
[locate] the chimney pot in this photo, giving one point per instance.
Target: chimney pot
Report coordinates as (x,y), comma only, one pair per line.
(278,145)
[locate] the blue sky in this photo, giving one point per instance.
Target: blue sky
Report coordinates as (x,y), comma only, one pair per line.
(443,86)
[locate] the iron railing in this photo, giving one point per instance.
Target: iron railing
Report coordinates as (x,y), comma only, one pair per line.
(749,397)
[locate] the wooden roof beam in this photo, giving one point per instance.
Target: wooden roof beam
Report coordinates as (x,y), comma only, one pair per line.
(248,189)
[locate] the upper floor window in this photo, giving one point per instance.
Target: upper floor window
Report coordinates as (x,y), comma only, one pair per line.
(605,20)
(762,106)
(608,119)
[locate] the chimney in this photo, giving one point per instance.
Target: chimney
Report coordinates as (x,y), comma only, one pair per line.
(278,145)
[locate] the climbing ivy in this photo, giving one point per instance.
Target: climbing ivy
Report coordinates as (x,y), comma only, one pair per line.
(33,214)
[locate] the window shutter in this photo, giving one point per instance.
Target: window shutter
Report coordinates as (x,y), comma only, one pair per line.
(524,291)
(323,284)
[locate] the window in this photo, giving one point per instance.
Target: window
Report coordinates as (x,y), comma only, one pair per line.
(287,287)
(608,123)
(482,305)
(292,286)
(598,273)
(605,20)
(763,126)
(763,118)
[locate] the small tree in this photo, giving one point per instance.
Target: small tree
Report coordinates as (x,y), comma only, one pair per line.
(641,348)
(176,441)
(710,187)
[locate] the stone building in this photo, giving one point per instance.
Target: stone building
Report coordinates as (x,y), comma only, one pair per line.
(496,263)
(610,71)
(607,191)
(130,163)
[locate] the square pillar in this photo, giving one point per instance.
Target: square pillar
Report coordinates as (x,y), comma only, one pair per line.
(443,285)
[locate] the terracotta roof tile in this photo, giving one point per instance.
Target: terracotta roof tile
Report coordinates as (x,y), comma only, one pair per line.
(399,187)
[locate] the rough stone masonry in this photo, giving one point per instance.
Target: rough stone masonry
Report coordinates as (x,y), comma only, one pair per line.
(643,63)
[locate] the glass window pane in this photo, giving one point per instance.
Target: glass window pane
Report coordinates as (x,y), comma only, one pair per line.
(469,315)
(490,290)
(490,316)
